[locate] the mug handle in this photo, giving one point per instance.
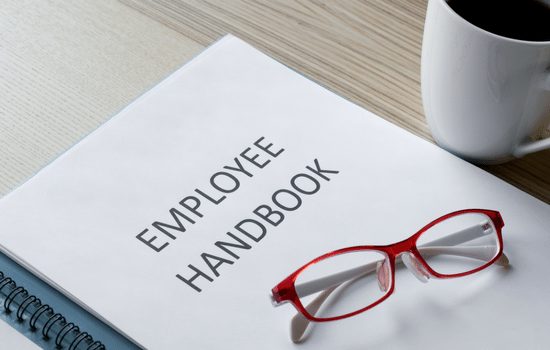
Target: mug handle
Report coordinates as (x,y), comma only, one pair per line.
(539,145)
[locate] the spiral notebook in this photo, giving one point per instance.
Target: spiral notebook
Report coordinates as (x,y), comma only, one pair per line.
(157,223)
(31,312)
(41,315)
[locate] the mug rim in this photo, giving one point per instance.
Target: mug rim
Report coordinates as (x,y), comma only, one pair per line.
(498,36)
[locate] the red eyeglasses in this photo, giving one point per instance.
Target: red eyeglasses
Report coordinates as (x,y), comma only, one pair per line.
(348,281)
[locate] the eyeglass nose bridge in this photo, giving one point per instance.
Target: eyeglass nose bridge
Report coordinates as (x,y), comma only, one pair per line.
(405,252)
(414,266)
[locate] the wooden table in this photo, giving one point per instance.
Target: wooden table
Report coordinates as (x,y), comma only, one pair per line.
(67,66)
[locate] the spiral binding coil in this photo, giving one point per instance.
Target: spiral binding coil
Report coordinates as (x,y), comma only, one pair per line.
(42,318)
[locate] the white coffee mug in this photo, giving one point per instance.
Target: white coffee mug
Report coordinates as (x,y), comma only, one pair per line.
(484,94)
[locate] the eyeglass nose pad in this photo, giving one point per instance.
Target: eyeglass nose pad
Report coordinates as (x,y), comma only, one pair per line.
(383,275)
(415,267)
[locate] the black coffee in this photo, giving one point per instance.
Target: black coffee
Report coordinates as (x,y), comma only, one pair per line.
(517,19)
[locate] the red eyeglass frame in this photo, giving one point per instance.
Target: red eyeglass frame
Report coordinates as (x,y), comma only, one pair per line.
(285,291)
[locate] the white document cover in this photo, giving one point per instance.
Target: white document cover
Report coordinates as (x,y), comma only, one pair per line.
(86,222)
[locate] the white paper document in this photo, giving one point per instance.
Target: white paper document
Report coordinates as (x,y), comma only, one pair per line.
(131,221)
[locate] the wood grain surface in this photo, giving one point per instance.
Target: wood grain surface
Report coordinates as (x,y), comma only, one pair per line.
(66,67)
(366,51)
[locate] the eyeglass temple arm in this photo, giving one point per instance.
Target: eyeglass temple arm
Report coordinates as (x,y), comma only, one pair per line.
(328,284)
(299,323)
(441,246)
(319,284)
